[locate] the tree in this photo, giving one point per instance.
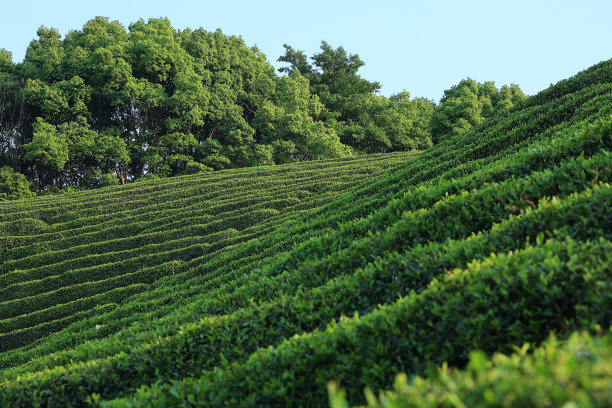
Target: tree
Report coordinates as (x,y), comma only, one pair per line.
(44,56)
(12,113)
(467,104)
(110,104)
(48,147)
(297,60)
(13,185)
(350,106)
(290,117)
(409,122)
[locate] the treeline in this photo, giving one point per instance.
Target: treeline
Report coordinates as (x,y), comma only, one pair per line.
(108,105)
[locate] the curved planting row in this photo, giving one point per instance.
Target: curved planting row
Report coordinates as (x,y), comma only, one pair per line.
(379,283)
(63,206)
(181,198)
(592,138)
(493,238)
(52,284)
(477,308)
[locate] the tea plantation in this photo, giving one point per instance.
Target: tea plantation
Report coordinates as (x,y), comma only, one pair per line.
(328,282)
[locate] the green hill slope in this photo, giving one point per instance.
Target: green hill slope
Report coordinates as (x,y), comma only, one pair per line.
(225,289)
(87,253)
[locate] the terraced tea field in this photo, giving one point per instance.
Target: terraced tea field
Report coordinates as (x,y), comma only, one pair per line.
(264,288)
(68,258)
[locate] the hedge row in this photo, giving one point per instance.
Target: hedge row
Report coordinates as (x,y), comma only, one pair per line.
(493,305)
(238,335)
(54,281)
(142,189)
(24,336)
(66,206)
(373,245)
(70,308)
(213,203)
(574,372)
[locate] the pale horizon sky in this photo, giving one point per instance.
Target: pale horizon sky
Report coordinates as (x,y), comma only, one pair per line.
(423,47)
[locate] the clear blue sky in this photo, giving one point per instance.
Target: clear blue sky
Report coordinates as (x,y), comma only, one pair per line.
(421,46)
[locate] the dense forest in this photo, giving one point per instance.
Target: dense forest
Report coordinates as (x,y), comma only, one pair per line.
(109,105)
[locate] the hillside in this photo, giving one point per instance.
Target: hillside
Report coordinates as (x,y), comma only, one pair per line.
(86,253)
(258,288)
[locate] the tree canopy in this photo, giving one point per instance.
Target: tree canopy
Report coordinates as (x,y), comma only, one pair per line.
(469,103)
(108,104)
(364,120)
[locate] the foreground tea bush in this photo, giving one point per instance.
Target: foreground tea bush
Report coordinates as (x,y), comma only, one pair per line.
(576,372)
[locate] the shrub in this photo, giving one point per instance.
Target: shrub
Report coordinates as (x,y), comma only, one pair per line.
(13,185)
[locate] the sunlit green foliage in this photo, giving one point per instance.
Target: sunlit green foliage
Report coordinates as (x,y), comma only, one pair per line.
(360,117)
(260,286)
(148,99)
(13,185)
(468,104)
(575,372)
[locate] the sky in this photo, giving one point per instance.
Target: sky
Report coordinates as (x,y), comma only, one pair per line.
(423,47)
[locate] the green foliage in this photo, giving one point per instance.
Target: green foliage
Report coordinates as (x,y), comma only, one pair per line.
(468,104)
(148,99)
(6,60)
(65,274)
(474,308)
(232,288)
(109,179)
(350,106)
(289,118)
(575,372)
(48,146)
(151,100)
(13,185)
